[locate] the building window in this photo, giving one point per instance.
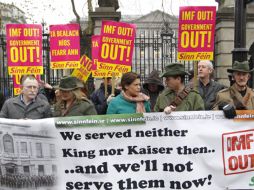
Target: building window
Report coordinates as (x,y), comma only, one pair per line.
(23,147)
(38,150)
(26,170)
(52,150)
(8,144)
(54,169)
(40,170)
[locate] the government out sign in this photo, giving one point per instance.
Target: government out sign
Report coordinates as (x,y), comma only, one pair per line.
(184,150)
(24,49)
(196,33)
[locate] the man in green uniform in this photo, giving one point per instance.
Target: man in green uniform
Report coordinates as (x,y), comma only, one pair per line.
(239,94)
(177,97)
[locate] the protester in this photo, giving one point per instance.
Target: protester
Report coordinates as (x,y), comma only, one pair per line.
(238,95)
(99,98)
(118,89)
(152,87)
(83,88)
(130,100)
(191,76)
(27,105)
(177,97)
(46,91)
(207,87)
(73,101)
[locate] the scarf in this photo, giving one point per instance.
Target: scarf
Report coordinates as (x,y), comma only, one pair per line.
(140,99)
(241,103)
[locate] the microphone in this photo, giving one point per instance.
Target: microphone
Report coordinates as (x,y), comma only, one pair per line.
(228,110)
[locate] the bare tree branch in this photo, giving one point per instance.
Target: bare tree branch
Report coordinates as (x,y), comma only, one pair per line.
(75,12)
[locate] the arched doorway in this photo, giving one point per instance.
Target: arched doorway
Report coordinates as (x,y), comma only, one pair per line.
(8,143)
(11,168)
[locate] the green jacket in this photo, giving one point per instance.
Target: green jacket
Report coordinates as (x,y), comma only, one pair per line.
(232,96)
(79,108)
(192,102)
(121,106)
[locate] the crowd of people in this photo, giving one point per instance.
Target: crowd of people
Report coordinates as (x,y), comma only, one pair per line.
(130,96)
(24,181)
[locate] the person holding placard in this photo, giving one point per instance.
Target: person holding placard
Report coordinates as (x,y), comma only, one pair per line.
(101,95)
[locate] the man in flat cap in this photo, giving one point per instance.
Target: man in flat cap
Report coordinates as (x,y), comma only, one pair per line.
(177,97)
(239,94)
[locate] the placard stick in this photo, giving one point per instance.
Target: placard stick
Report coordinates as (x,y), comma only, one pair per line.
(113,83)
(106,87)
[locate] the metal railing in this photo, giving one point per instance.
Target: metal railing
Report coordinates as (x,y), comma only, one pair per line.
(152,51)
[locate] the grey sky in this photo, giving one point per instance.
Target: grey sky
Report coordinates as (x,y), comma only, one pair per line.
(60,11)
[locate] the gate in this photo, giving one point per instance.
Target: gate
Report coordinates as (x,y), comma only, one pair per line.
(153,50)
(50,76)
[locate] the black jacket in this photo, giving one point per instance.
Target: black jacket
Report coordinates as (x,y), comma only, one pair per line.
(99,100)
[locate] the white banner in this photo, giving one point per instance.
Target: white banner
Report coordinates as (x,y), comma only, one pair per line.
(184,150)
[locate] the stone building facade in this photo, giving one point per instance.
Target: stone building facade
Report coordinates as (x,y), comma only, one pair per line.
(9,13)
(224,39)
(26,152)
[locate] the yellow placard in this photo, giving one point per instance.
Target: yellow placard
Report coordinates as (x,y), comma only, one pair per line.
(25,70)
(188,56)
(81,74)
(16,91)
(116,68)
(65,65)
(104,73)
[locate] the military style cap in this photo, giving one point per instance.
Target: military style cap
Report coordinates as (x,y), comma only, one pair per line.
(69,83)
(240,67)
(174,69)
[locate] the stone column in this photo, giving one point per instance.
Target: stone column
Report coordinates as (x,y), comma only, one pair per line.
(224,37)
(224,43)
(103,13)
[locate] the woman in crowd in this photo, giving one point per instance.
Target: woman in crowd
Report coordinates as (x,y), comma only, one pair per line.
(73,100)
(130,100)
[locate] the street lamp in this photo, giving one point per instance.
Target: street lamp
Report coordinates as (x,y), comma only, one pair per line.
(166,30)
(167,34)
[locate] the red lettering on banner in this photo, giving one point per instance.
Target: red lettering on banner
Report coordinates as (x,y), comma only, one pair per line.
(241,162)
(238,152)
(241,143)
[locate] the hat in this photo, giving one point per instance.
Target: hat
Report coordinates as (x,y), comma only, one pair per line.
(174,69)
(240,67)
(69,83)
(153,78)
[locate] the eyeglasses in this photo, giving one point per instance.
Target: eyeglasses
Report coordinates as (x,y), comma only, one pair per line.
(31,87)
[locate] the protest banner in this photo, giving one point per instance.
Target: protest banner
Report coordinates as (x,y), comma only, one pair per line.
(16,84)
(95,50)
(85,69)
(183,150)
(64,46)
(116,46)
(196,33)
(96,73)
(24,49)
